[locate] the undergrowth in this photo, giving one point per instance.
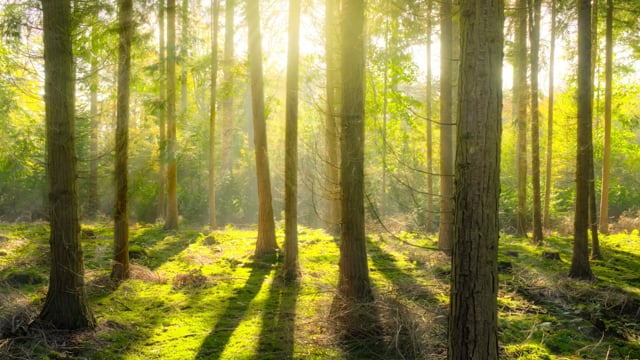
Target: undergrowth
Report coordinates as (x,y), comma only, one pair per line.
(200,295)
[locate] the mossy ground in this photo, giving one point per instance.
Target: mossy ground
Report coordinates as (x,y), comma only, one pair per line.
(195,294)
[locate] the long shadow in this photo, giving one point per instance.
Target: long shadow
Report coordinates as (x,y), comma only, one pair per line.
(237,306)
(160,246)
(277,335)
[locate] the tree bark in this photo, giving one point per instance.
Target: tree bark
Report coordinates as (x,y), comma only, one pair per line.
(546,222)
(429,105)
(120,269)
(606,157)
(521,98)
(353,285)
(291,267)
(162,115)
(215,9)
(332,117)
(580,267)
(171,222)
(534,23)
(446,129)
(266,226)
(66,305)
(593,215)
(473,320)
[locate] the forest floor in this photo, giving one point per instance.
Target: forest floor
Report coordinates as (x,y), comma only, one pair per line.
(195,294)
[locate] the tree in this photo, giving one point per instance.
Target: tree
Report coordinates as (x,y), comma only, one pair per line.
(580,267)
(215,9)
(606,156)
(534,24)
(291,267)
(120,268)
(227,94)
(66,305)
(162,114)
(473,319)
(171,222)
(92,201)
(520,95)
(266,226)
(546,223)
(332,117)
(429,205)
(593,215)
(354,287)
(446,128)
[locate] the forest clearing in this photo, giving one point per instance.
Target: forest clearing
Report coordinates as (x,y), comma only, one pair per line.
(194,294)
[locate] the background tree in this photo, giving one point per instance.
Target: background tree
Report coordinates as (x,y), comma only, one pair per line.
(332,117)
(171,221)
(447,122)
(606,156)
(354,287)
(546,223)
(521,96)
(291,267)
(227,94)
(473,319)
(215,8)
(66,304)
(120,268)
(266,226)
(428,105)
(162,113)
(534,26)
(580,267)
(92,200)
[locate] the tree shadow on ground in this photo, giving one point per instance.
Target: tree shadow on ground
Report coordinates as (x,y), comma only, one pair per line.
(277,335)
(237,306)
(161,246)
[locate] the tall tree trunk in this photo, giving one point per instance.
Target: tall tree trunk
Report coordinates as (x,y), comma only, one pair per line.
(354,287)
(215,9)
(162,115)
(521,96)
(66,305)
(546,223)
(171,222)
(184,55)
(385,102)
(580,267)
(429,205)
(534,24)
(266,226)
(473,320)
(446,129)
(93,202)
(227,92)
(120,269)
(291,268)
(593,215)
(606,157)
(332,117)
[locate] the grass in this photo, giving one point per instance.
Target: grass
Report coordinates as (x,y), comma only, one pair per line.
(200,295)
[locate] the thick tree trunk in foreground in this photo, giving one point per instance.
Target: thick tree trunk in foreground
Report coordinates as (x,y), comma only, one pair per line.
(580,267)
(354,287)
(291,267)
(120,268)
(473,320)
(171,222)
(66,305)
(447,122)
(266,226)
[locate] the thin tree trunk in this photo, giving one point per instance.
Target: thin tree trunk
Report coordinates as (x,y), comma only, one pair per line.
(120,269)
(66,304)
(546,222)
(593,215)
(521,96)
(266,226)
(92,205)
(534,23)
(332,117)
(580,267)
(429,205)
(215,9)
(446,129)
(385,102)
(606,157)
(291,267)
(171,222)
(473,320)
(162,115)
(227,92)
(184,55)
